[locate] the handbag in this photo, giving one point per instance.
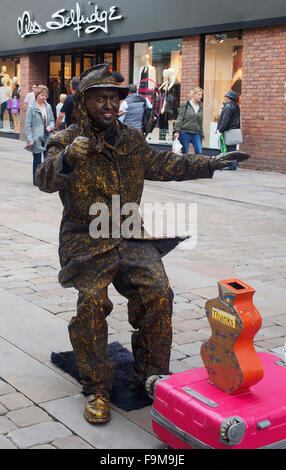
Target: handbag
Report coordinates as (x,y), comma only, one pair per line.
(46,136)
(233,137)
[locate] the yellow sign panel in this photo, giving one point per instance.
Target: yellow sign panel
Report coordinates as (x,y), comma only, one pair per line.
(223,317)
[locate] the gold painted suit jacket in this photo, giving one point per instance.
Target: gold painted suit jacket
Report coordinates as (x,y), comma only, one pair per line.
(113,170)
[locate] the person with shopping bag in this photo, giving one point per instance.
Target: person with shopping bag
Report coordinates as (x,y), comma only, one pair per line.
(189,124)
(229,124)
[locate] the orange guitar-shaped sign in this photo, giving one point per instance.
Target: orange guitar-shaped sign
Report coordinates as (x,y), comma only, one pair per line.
(229,355)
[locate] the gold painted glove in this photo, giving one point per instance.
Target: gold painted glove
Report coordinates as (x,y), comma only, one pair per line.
(224,160)
(78,151)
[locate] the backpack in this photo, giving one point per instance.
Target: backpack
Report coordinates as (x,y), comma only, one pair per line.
(147,126)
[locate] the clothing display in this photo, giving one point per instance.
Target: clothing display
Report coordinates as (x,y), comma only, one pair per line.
(170,94)
(4,75)
(146,77)
(5,96)
(14,105)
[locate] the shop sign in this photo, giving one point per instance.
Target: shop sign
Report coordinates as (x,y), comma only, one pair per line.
(75,18)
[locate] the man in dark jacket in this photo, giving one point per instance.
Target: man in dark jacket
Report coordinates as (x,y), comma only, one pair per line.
(67,108)
(229,119)
(89,163)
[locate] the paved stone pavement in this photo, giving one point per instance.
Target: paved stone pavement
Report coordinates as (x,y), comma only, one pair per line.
(241,234)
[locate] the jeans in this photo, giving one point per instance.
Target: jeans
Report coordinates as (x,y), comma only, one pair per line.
(186,138)
(2,111)
(232,148)
(36,162)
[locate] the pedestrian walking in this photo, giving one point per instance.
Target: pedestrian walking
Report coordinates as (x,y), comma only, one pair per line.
(39,125)
(59,106)
(132,108)
(68,106)
(229,119)
(30,97)
(188,127)
(89,163)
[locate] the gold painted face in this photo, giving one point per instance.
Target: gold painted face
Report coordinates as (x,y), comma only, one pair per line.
(102,105)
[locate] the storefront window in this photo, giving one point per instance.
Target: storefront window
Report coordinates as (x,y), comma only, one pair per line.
(10,95)
(222,72)
(63,67)
(158,64)
(68,73)
(60,74)
(55,78)
(108,59)
(88,61)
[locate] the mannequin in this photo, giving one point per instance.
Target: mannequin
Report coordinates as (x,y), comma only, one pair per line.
(4,74)
(170,90)
(5,95)
(14,104)
(147,77)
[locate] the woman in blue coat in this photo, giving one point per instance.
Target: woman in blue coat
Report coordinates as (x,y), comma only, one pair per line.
(39,126)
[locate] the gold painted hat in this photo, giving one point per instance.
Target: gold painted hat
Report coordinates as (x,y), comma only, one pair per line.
(99,76)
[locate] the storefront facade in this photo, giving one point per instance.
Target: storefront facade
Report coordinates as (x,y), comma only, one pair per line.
(164,44)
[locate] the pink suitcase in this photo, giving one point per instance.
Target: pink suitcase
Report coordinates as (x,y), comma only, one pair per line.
(189,412)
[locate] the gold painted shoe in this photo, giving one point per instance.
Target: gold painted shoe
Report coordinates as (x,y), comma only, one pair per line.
(97,408)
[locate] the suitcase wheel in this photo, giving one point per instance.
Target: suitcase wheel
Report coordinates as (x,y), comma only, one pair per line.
(232,431)
(151,383)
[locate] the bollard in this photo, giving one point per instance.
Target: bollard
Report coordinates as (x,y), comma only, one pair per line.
(229,356)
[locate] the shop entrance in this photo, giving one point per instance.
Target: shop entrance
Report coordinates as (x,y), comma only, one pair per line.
(62,67)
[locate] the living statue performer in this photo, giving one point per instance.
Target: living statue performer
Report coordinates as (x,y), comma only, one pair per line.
(91,161)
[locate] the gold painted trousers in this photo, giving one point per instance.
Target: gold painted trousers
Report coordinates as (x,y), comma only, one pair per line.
(136,270)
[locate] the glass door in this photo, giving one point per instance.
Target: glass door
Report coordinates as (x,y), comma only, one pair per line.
(62,67)
(60,74)
(67,76)
(88,61)
(55,80)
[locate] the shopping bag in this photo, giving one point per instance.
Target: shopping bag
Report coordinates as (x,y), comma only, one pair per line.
(177,146)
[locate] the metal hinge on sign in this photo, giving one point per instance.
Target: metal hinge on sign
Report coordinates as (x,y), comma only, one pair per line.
(200,397)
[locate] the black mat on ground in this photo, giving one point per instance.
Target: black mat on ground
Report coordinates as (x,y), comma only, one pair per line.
(121,395)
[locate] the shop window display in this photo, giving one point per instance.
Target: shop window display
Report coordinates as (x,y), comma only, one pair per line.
(157,65)
(55,79)
(60,74)
(10,95)
(222,72)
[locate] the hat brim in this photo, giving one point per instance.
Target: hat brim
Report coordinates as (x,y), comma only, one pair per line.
(123,91)
(231,97)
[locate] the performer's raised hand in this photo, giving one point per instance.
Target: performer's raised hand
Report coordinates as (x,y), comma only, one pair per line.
(224,160)
(76,152)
